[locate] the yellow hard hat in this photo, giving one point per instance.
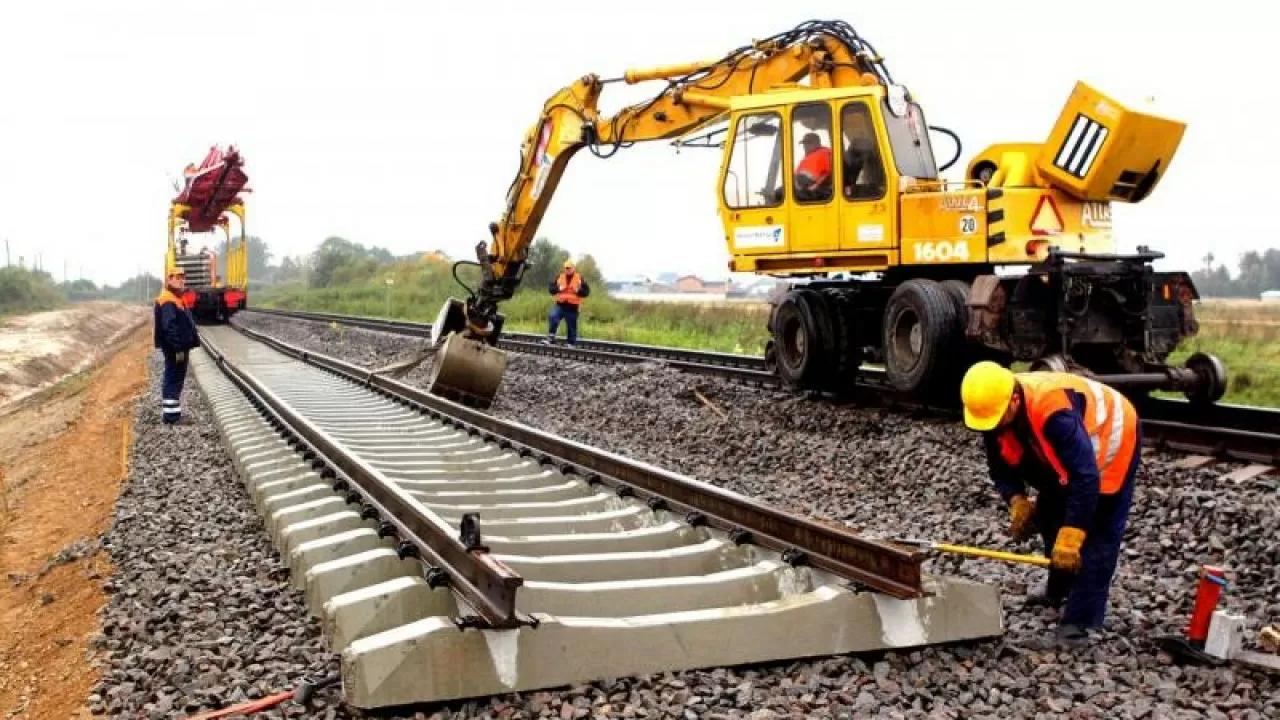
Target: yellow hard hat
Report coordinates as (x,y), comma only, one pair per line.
(568,263)
(985,391)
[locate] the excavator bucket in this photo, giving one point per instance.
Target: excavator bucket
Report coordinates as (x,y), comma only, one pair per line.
(466,370)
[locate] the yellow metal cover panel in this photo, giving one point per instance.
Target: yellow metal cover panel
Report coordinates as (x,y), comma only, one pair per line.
(1033,219)
(944,227)
(1101,150)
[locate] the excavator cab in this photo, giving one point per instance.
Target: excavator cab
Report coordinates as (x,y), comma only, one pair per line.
(863,145)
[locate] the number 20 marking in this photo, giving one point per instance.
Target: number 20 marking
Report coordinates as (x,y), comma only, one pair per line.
(968,225)
(941,251)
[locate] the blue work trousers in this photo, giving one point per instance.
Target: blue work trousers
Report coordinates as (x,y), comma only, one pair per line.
(175,373)
(570,317)
(1088,590)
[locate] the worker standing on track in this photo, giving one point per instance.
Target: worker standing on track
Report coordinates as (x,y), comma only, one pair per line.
(568,289)
(175,336)
(1078,444)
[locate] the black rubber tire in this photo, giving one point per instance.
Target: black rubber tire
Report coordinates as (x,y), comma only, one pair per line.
(958,291)
(920,342)
(797,341)
(846,354)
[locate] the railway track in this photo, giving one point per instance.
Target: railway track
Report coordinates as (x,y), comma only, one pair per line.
(451,554)
(1205,436)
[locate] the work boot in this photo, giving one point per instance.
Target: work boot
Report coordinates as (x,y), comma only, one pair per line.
(1039,596)
(551,340)
(1072,635)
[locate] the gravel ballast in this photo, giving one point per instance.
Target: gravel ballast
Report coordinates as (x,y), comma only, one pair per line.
(878,472)
(201,615)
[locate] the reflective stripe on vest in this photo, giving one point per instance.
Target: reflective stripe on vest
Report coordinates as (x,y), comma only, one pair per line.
(1109,420)
(569,292)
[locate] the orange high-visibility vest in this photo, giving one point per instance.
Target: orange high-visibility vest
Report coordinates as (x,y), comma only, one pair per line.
(816,164)
(569,289)
(1110,421)
(167,296)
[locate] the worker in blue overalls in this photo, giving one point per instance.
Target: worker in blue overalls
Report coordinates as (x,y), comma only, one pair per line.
(175,336)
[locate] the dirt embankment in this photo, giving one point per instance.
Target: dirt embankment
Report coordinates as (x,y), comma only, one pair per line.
(62,455)
(38,350)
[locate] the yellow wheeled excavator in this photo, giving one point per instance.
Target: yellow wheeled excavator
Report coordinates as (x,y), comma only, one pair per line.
(828,178)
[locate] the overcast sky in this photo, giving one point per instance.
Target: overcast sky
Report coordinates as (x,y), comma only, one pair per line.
(399,123)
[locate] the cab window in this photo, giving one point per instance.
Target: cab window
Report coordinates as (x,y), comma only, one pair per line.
(862,169)
(813,170)
(753,178)
(909,138)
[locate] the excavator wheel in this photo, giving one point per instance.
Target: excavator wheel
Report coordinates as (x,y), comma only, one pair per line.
(799,340)
(921,337)
(466,370)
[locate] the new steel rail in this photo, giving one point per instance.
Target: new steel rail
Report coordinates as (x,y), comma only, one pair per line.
(1222,431)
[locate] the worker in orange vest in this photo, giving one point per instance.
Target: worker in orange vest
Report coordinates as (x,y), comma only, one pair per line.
(813,174)
(174,335)
(1077,442)
(569,289)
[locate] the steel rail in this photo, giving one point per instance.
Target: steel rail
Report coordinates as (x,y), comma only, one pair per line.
(1229,432)
(480,580)
(888,568)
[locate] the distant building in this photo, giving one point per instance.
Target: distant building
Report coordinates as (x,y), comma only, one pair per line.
(1271,295)
(689,283)
(668,278)
(757,289)
(630,285)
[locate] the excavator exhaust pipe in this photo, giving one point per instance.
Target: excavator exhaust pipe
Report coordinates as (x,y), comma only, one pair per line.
(466,370)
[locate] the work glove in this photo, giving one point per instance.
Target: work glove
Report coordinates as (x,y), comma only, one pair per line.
(180,357)
(1021,510)
(1066,550)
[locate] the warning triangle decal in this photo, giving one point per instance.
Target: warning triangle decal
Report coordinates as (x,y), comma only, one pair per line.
(1046,219)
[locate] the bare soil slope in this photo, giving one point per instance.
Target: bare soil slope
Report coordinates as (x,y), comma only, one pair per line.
(40,349)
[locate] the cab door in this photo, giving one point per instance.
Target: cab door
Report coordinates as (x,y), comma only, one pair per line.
(752,190)
(811,177)
(867,209)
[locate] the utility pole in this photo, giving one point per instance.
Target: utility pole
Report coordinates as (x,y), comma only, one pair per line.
(6,252)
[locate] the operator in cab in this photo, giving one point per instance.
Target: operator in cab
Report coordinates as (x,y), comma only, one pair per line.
(569,289)
(175,335)
(1078,444)
(813,174)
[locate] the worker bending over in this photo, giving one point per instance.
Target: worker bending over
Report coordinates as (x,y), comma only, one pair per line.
(569,289)
(175,335)
(1078,444)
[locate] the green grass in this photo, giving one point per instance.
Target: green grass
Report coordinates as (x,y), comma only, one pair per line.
(1245,335)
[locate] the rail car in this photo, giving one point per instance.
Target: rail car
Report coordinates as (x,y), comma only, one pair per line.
(210,195)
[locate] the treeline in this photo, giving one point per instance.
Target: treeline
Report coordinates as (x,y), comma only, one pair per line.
(24,290)
(338,261)
(341,275)
(1257,272)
